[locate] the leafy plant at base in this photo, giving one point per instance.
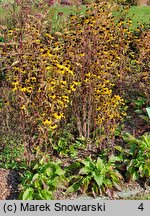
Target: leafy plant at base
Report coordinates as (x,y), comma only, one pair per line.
(148,111)
(136,159)
(12,155)
(66,145)
(97,176)
(140,107)
(43,178)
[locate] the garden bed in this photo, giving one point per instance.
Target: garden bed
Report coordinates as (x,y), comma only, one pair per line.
(75,101)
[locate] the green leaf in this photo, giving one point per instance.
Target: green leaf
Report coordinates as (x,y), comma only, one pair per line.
(35,177)
(45,195)
(146,141)
(85,170)
(28,194)
(59,171)
(85,183)
(107,182)
(135,176)
(139,111)
(148,111)
(75,187)
(37,184)
(100,164)
(1,39)
(99,179)
(86,163)
(114,159)
(141,168)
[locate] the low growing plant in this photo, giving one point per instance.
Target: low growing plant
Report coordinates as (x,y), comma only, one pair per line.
(137,157)
(42,180)
(97,176)
(12,155)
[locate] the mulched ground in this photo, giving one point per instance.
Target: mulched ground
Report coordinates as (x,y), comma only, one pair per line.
(9,181)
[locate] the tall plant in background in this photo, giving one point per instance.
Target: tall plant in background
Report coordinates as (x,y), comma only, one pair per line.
(97,48)
(37,85)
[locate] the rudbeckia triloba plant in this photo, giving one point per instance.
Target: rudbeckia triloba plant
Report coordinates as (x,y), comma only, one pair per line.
(38,82)
(78,74)
(97,45)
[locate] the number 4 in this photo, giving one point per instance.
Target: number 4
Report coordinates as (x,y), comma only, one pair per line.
(141,207)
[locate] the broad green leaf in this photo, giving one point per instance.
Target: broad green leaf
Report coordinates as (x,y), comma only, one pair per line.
(99,179)
(59,171)
(85,170)
(75,187)
(135,176)
(48,171)
(35,177)
(85,183)
(100,164)
(148,111)
(45,195)
(37,184)
(141,168)
(36,167)
(113,159)
(28,194)
(86,163)
(146,140)
(138,111)
(107,182)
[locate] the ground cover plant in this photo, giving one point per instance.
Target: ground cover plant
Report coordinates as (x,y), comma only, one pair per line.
(72,82)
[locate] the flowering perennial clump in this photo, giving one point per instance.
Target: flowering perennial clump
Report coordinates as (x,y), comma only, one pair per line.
(97,48)
(76,76)
(40,83)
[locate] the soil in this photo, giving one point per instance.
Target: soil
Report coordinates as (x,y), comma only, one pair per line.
(9,181)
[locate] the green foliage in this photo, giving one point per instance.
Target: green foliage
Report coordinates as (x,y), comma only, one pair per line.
(139,106)
(148,111)
(97,176)
(137,157)
(43,178)
(1,39)
(67,146)
(12,155)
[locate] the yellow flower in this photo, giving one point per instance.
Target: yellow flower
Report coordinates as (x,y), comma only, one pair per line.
(88,74)
(53,96)
(29,89)
(48,67)
(82,54)
(53,127)
(47,122)
(23,89)
(48,35)
(65,68)
(72,87)
(63,82)
(23,107)
(56,116)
